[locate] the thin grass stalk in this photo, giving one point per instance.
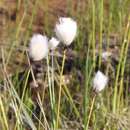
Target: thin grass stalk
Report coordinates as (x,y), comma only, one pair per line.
(90,113)
(108,40)
(23,94)
(6,76)
(127,92)
(46,18)
(18,117)
(15,96)
(109,30)
(41,123)
(43,113)
(52,76)
(18,4)
(67,94)
(116,80)
(50,94)
(16,37)
(93,33)
(7,79)
(1,122)
(88,72)
(118,69)
(29,26)
(60,88)
(100,32)
(65,89)
(2,109)
(31,22)
(31,70)
(121,90)
(40,101)
(86,101)
(53,91)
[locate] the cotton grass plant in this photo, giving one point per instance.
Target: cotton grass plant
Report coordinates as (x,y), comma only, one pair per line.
(99,83)
(66,36)
(38,49)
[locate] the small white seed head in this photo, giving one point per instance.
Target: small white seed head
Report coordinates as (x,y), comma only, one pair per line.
(100,81)
(106,55)
(53,43)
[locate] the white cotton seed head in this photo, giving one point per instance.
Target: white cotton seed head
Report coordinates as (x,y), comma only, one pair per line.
(100,81)
(53,43)
(66,30)
(106,55)
(38,47)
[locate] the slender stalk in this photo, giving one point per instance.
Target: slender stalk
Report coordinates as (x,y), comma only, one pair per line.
(53,92)
(52,77)
(50,91)
(122,71)
(23,94)
(119,67)
(91,109)
(59,98)
(43,113)
(93,33)
(68,96)
(100,33)
(3,114)
(88,73)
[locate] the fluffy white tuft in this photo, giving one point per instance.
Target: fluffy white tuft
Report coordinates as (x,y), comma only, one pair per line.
(38,47)
(53,43)
(66,30)
(106,55)
(100,81)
